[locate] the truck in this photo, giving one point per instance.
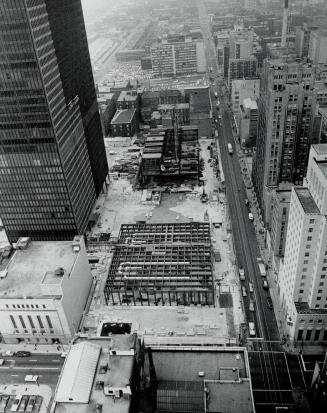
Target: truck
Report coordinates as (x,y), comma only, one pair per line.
(262,267)
(230,148)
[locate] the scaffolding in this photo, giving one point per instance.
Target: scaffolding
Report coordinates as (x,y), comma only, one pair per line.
(162,264)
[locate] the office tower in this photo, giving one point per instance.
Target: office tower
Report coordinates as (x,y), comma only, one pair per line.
(287,106)
(318,47)
(52,156)
(241,69)
(303,274)
(302,39)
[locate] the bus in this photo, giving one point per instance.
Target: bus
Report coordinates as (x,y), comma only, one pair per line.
(230,148)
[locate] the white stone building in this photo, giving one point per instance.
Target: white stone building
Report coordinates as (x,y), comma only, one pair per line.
(303,276)
(43,291)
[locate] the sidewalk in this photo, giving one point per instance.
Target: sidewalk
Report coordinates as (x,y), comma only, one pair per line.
(35,349)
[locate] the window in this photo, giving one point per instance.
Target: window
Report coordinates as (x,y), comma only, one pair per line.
(308,335)
(305,262)
(310,229)
(49,321)
(321,284)
(325,335)
(307,254)
(312,221)
(14,306)
(43,306)
(31,321)
(39,321)
(300,334)
(317,334)
(305,269)
(7,306)
(309,239)
(319,291)
(318,298)
(323,276)
(22,322)
(13,322)
(301,292)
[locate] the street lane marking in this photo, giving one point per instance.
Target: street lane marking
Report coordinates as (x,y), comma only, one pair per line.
(55,361)
(32,361)
(14,375)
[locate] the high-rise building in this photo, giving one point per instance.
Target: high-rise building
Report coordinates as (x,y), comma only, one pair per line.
(178,55)
(302,39)
(303,275)
(52,156)
(241,69)
(287,106)
(318,47)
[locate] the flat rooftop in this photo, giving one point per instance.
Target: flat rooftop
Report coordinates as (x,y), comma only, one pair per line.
(127,95)
(27,267)
(226,377)
(118,374)
(303,308)
(123,116)
(308,204)
(320,148)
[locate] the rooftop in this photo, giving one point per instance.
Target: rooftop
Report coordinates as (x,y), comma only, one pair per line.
(308,204)
(27,267)
(320,148)
(123,116)
(111,371)
(226,377)
(127,95)
(250,104)
(322,165)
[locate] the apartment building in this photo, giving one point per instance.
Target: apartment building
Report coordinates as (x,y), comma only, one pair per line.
(303,274)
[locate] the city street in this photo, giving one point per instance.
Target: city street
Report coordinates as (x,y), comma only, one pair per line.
(47,367)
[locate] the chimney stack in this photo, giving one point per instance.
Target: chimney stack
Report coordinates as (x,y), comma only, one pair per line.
(285,22)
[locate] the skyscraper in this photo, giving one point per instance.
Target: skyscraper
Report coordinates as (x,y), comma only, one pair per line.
(52,155)
(302,279)
(287,105)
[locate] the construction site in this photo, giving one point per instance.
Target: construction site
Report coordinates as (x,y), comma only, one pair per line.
(162,264)
(170,153)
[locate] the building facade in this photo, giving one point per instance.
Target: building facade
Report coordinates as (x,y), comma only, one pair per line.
(124,123)
(303,274)
(242,89)
(241,69)
(318,47)
(287,107)
(38,299)
(52,157)
(302,40)
(248,122)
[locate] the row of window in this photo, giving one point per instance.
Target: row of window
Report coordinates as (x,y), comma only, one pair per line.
(308,336)
(23,322)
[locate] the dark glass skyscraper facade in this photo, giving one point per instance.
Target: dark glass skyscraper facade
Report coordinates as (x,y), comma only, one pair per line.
(52,155)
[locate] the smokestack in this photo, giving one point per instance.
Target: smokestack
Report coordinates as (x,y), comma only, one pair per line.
(285,21)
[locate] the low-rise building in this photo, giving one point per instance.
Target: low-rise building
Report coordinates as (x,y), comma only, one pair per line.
(43,291)
(128,99)
(124,123)
(200,109)
(242,89)
(107,108)
(101,374)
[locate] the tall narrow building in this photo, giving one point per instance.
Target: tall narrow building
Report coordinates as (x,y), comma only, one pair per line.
(52,156)
(287,106)
(302,279)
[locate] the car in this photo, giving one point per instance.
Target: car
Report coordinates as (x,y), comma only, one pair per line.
(9,353)
(241,273)
(251,305)
(244,292)
(31,403)
(269,303)
(16,402)
(63,354)
(246,201)
(251,329)
(251,218)
(265,284)
(31,379)
(3,404)
(23,403)
(250,287)
(23,353)
(2,362)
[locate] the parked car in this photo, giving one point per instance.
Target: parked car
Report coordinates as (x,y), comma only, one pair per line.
(251,218)
(23,354)
(9,353)
(241,273)
(30,378)
(269,303)
(250,287)
(251,305)
(23,403)
(3,404)
(265,284)
(244,292)
(16,402)
(31,403)
(2,362)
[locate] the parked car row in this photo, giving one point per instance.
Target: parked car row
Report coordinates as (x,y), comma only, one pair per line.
(20,403)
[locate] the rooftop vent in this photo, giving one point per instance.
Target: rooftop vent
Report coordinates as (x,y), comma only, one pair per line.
(22,243)
(59,272)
